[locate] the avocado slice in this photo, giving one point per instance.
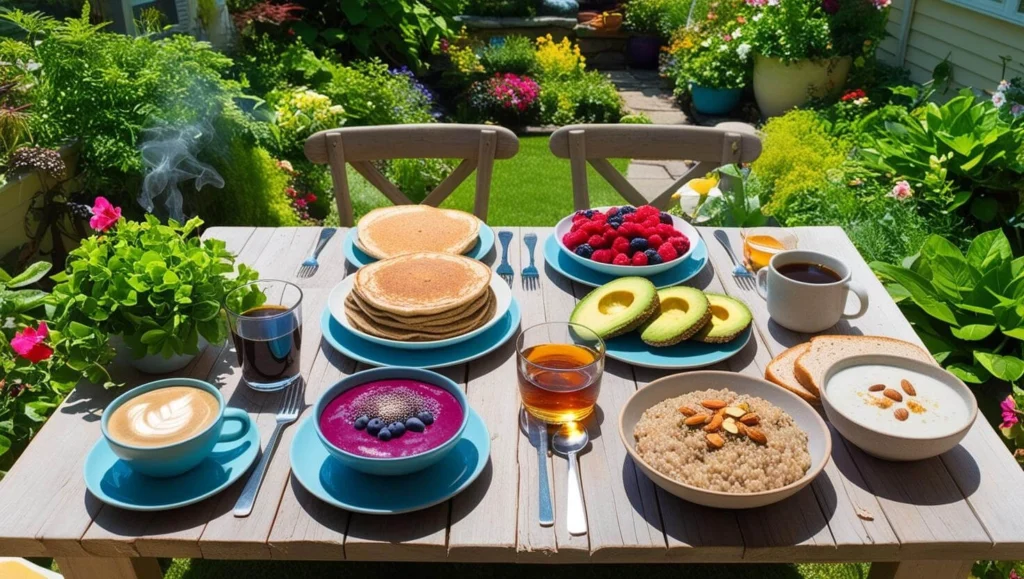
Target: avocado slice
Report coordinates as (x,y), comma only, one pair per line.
(729,317)
(683,312)
(617,307)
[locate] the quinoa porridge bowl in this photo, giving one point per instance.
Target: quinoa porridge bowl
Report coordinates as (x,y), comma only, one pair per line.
(724,440)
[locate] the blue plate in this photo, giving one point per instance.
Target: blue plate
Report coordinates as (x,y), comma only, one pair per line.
(356,256)
(113,482)
(338,485)
(367,352)
(683,356)
(565,265)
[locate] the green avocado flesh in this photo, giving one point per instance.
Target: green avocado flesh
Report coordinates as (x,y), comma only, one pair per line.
(729,317)
(683,312)
(617,307)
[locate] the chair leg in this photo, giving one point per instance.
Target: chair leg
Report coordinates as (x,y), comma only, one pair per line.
(342,195)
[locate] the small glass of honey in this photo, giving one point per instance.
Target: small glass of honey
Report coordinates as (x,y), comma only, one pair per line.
(761,243)
(559,366)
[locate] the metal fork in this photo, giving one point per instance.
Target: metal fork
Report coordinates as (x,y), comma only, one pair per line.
(505,270)
(310,266)
(530,273)
(743,277)
(291,405)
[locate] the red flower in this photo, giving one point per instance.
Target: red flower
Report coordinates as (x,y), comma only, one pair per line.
(853,95)
(28,343)
(300,203)
(104,215)
(310,198)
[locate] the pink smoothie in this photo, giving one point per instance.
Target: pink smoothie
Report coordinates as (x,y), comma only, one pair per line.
(391,400)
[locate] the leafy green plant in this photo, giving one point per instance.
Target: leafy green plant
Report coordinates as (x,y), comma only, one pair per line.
(158,286)
(372,94)
(522,8)
(253,193)
(639,118)
(792,30)
(720,61)
(588,98)
(514,54)
(644,16)
(739,206)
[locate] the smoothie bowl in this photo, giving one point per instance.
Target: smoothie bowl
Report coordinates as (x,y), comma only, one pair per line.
(391,421)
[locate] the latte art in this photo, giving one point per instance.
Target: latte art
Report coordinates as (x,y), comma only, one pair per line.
(163,416)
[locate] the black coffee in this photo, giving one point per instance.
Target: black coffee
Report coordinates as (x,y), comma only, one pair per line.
(809,273)
(268,341)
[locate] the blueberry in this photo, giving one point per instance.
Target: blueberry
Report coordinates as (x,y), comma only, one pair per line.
(384,434)
(415,425)
(665,218)
(652,257)
(374,426)
(638,244)
(397,429)
(589,213)
(626,209)
(361,422)
(584,251)
(426,417)
(615,224)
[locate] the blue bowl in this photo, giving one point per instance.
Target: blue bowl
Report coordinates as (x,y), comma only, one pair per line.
(396,466)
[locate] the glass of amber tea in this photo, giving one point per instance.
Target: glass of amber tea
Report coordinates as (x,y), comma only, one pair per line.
(559,366)
(761,243)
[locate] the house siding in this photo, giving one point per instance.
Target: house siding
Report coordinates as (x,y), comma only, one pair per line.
(974,41)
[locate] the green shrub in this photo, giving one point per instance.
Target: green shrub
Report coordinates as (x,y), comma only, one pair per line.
(640,118)
(515,55)
(253,193)
(590,98)
(644,16)
(499,8)
(417,177)
(373,95)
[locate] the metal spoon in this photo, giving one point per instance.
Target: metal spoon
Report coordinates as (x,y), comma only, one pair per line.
(570,439)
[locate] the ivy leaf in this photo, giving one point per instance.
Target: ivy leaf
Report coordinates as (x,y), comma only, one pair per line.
(1008,368)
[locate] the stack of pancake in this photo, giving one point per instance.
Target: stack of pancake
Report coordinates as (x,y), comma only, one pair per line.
(421,297)
(393,231)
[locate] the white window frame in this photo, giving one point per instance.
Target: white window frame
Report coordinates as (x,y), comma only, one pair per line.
(1007,10)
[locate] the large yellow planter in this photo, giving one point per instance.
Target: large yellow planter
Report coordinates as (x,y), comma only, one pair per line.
(779,87)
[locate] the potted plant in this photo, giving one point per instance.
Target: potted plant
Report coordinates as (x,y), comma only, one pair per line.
(716,71)
(507,99)
(642,19)
(158,287)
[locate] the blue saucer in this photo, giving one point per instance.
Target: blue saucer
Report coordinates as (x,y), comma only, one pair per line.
(367,352)
(356,256)
(683,356)
(565,265)
(113,482)
(338,485)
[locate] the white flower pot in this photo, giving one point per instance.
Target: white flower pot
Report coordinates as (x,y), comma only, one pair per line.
(156,363)
(779,87)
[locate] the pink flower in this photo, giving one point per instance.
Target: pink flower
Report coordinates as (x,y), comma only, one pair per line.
(881,4)
(104,215)
(711,16)
(998,99)
(727,38)
(300,203)
(1009,408)
(28,343)
(1013,574)
(901,191)
(1017,110)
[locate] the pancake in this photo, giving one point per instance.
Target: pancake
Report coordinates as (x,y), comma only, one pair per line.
(420,284)
(392,231)
(360,321)
(426,323)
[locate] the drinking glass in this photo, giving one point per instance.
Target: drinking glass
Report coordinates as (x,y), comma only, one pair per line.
(761,243)
(265,318)
(559,366)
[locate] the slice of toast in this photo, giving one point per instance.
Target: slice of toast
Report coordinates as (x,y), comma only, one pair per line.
(824,351)
(782,369)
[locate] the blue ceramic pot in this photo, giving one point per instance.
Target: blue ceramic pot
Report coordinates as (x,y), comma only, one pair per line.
(398,465)
(714,101)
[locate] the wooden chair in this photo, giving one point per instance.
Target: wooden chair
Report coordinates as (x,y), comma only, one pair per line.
(477,145)
(595,144)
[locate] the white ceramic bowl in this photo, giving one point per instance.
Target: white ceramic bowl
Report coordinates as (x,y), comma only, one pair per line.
(872,437)
(565,225)
(336,303)
(819,442)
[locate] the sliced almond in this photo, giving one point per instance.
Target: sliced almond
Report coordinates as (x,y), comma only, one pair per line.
(687,411)
(757,436)
(741,429)
(715,441)
(901,414)
(713,404)
(876,387)
(695,420)
(735,411)
(729,425)
(893,395)
(908,387)
(715,424)
(750,419)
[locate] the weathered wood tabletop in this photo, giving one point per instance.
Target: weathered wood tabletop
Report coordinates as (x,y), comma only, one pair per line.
(934,515)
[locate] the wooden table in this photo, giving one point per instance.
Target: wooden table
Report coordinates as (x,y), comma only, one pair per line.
(925,519)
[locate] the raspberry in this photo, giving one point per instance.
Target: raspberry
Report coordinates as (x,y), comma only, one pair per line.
(646,211)
(666,231)
(612,212)
(579,237)
(596,241)
(649,232)
(639,258)
(629,218)
(599,217)
(655,240)
(593,227)
(576,226)
(651,222)
(620,244)
(602,256)
(681,244)
(667,252)
(652,257)
(609,235)
(628,230)
(579,218)
(620,259)
(567,241)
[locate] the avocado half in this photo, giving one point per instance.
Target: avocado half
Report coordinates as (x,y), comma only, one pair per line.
(617,307)
(729,317)
(683,312)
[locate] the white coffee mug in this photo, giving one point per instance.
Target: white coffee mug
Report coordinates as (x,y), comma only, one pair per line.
(808,307)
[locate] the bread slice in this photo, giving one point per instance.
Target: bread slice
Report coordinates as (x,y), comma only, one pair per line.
(824,351)
(782,369)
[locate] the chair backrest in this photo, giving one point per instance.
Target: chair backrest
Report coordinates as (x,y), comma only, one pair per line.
(595,144)
(477,145)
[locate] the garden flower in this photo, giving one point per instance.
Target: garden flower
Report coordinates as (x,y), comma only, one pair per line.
(104,215)
(310,198)
(854,95)
(727,38)
(901,191)
(998,99)
(28,343)
(1013,574)
(286,165)
(741,19)
(1009,409)
(1003,85)
(1017,110)
(743,50)
(711,16)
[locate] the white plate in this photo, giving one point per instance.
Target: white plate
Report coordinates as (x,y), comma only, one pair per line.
(336,303)
(565,225)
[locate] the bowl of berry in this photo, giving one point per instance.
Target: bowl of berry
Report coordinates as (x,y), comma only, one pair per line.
(626,240)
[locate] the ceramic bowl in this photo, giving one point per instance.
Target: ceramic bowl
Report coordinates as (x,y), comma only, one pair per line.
(565,225)
(872,438)
(398,465)
(819,442)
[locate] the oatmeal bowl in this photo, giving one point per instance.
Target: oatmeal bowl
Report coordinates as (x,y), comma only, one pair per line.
(724,440)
